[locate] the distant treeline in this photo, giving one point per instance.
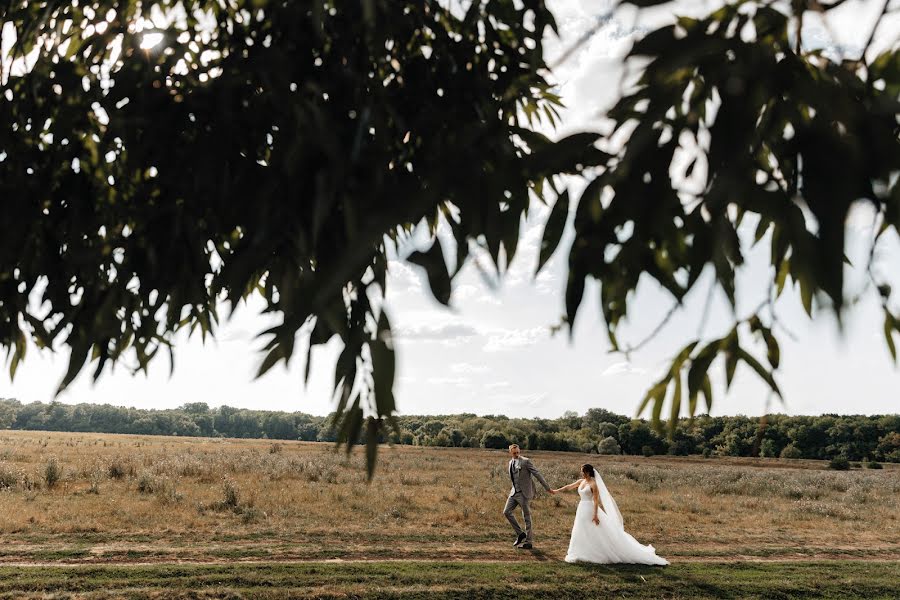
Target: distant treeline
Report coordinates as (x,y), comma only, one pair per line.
(854,437)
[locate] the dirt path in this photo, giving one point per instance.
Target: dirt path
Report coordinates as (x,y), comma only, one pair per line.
(818,558)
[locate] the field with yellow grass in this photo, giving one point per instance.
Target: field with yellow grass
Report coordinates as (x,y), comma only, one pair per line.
(92,508)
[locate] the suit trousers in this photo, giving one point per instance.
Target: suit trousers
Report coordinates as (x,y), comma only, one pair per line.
(518,499)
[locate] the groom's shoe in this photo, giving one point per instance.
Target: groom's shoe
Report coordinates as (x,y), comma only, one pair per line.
(525,546)
(519,539)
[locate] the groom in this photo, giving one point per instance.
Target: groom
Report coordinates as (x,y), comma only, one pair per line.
(520,471)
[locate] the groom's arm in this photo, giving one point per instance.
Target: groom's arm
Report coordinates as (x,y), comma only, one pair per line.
(533,470)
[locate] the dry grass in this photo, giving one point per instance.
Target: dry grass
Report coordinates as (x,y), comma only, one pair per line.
(149,499)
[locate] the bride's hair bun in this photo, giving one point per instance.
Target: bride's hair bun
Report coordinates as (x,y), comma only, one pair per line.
(587,470)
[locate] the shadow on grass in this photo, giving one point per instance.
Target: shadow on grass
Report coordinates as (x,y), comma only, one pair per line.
(540,555)
(742,580)
(662,580)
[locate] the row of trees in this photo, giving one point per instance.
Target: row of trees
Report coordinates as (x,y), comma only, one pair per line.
(855,437)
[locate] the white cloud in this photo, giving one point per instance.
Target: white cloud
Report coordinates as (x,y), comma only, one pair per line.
(623,368)
(453,334)
(477,294)
(402,278)
(467,368)
(497,385)
(457,381)
(449,334)
(520,400)
(507,339)
(546,281)
(237,335)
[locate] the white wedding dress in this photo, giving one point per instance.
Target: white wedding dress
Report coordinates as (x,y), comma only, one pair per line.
(607,542)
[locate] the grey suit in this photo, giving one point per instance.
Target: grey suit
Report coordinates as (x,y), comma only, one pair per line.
(522,491)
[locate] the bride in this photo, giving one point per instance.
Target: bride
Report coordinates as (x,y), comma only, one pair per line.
(598,535)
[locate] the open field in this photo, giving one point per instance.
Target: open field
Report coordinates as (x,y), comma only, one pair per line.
(127,507)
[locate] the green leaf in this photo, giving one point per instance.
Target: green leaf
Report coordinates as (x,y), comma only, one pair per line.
(681,357)
(773,352)
(760,370)
(18,354)
(692,404)
(706,389)
(553,230)
(351,425)
(308,367)
(761,229)
(383,367)
(658,402)
(568,154)
(690,168)
(656,42)
(510,227)
(369,12)
(345,369)
(574,295)
(783,270)
(697,373)
(755,323)
(274,355)
(652,393)
(889,326)
(770,24)
(731,360)
(75,44)
(373,427)
(806,294)
(438,277)
(676,405)
(77,358)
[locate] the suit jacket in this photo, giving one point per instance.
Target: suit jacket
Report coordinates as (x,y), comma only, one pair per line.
(521,478)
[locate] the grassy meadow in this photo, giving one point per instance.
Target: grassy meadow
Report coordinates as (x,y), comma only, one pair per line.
(75,507)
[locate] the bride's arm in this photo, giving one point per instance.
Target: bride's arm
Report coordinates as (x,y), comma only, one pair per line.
(571,486)
(596,495)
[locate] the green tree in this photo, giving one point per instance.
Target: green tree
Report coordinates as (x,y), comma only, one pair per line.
(598,416)
(288,149)
(285,149)
(768,449)
(889,447)
(635,435)
(608,445)
(682,443)
(607,430)
(494,439)
(791,451)
(8,412)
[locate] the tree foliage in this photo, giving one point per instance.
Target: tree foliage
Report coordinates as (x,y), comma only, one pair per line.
(732,121)
(289,149)
(279,148)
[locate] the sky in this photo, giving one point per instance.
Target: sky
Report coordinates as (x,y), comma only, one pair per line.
(492,352)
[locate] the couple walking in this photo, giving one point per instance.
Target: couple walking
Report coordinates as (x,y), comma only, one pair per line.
(598,534)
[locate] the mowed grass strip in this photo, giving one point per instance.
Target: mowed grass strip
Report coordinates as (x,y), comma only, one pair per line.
(438,580)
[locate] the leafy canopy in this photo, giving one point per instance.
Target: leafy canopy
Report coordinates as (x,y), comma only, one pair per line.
(732,118)
(288,149)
